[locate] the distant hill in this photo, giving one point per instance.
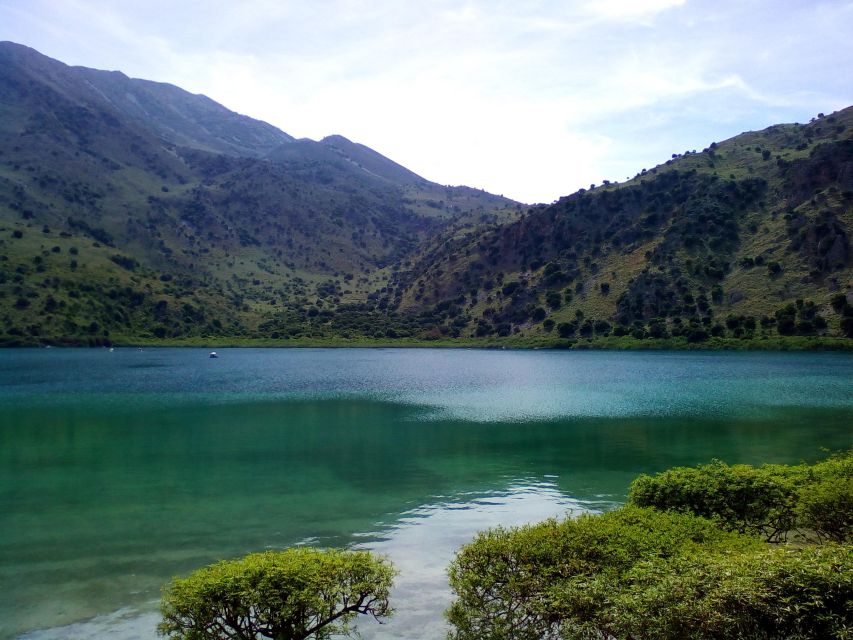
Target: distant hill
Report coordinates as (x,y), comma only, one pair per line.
(373,162)
(132,209)
(748,237)
(165,110)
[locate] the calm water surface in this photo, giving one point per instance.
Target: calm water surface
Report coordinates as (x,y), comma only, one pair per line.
(120,469)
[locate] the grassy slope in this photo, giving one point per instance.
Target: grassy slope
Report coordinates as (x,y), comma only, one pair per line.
(225,243)
(331,241)
(764,230)
(624,343)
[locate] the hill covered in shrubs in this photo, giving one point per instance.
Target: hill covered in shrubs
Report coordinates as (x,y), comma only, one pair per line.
(134,211)
(749,237)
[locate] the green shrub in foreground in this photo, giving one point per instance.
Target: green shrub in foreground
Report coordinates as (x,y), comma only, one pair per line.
(557,579)
(826,507)
(286,595)
(773,593)
(771,500)
(640,573)
(744,498)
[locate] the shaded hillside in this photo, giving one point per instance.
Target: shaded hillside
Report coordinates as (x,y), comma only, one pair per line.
(176,116)
(372,162)
(130,207)
(749,237)
(133,209)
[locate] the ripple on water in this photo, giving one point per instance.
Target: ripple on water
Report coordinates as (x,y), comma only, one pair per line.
(420,542)
(120,469)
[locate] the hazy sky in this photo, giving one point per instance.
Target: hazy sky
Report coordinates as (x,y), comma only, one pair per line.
(530,99)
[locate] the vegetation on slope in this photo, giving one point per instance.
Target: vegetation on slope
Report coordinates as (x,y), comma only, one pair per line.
(148,217)
(131,210)
(749,238)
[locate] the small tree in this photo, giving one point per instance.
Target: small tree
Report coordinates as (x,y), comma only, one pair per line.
(284,595)
(557,580)
(553,299)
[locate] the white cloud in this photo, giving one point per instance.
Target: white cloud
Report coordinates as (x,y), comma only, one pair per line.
(629,9)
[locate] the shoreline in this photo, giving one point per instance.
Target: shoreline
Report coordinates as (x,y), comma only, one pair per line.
(608,343)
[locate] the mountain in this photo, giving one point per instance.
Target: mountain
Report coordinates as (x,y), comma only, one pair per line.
(134,210)
(171,113)
(129,207)
(371,161)
(749,237)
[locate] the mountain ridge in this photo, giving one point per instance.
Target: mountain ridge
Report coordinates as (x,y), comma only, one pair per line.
(142,218)
(175,114)
(245,235)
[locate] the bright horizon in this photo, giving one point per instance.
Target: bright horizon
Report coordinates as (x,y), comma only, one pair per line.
(532,101)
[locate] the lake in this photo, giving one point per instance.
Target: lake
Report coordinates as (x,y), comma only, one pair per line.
(120,469)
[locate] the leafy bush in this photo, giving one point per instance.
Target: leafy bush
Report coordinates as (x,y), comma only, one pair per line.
(125,262)
(553,299)
(776,593)
(567,329)
(744,498)
(770,500)
(825,499)
(287,595)
(556,579)
(640,573)
(827,508)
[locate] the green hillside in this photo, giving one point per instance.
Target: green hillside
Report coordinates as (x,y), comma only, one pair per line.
(747,238)
(134,211)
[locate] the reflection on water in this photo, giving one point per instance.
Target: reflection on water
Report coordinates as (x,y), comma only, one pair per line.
(119,470)
(423,543)
(420,544)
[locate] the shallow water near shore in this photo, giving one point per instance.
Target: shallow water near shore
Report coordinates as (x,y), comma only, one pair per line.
(120,469)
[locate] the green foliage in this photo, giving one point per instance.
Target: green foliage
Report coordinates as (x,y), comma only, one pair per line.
(553,299)
(778,593)
(124,262)
(826,507)
(286,595)
(567,329)
(799,319)
(771,500)
(97,233)
(555,579)
(667,573)
(745,499)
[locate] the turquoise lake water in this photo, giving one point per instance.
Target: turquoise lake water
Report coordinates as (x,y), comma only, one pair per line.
(120,469)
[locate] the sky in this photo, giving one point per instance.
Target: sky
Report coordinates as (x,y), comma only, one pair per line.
(532,99)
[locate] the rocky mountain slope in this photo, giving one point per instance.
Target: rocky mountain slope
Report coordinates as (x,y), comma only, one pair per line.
(748,237)
(132,209)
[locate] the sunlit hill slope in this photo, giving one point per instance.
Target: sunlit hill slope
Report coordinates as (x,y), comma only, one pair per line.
(133,210)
